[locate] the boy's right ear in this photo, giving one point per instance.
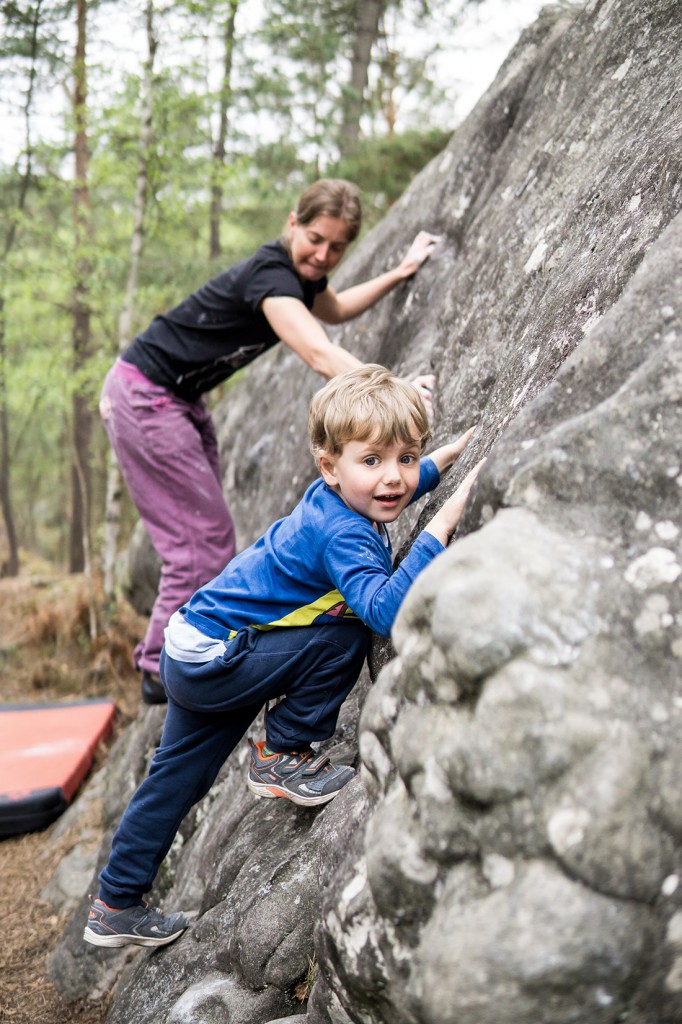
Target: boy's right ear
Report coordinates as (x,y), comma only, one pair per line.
(327,466)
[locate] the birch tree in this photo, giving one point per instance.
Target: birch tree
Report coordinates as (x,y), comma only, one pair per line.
(219,145)
(79,545)
(112,515)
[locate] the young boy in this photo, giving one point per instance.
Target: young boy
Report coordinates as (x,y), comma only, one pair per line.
(287,618)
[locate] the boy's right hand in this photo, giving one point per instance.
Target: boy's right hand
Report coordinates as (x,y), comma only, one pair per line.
(445,521)
(449,453)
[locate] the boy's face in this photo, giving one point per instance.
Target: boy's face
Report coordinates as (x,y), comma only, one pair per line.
(377,481)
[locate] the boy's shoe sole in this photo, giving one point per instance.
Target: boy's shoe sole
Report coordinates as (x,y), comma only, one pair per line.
(138,925)
(270,792)
(305,778)
(113,941)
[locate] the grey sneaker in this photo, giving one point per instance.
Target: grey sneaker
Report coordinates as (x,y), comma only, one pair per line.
(139,925)
(306,778)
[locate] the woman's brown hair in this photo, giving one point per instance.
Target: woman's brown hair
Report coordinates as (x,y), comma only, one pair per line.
(331,197)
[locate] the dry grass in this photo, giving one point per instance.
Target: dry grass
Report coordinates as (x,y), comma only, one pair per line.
(304,987)
(30,931)
(47,653)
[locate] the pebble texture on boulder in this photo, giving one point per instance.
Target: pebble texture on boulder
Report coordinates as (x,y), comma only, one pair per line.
(512,849)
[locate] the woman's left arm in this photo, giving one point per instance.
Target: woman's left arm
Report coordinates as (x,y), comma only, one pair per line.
(335,308)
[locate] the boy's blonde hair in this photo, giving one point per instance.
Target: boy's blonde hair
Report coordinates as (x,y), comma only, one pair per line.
(366,403)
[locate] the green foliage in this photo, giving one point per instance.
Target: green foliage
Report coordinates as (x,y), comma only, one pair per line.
(386,165)
(290,74)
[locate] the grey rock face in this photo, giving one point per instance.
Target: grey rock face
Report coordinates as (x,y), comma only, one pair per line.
(139,575)
(512,850)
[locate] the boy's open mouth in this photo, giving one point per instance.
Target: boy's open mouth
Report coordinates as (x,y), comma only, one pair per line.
(388,499)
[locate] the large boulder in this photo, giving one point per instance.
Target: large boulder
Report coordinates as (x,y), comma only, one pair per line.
(512,849)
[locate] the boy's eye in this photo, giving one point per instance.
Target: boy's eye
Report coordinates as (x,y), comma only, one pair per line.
(371,460)
(407,460)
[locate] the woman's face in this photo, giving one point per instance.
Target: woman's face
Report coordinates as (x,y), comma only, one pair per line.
(317,247)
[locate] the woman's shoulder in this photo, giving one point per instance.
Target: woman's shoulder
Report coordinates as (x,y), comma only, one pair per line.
(273,253)
(270,263)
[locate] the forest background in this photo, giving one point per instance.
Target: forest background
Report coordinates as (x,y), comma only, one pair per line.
(146,145)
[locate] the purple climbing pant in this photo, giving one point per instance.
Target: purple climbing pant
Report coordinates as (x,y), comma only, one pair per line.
(168,453)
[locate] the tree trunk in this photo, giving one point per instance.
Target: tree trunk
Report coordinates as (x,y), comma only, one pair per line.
(218,161)
(387,89)
(11,567)
(79,539)
(112,515)
(369,17)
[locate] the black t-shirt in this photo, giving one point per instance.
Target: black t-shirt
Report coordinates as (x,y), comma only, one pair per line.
(220,327)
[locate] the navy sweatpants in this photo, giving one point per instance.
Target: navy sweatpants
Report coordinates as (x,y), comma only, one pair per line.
(210,707)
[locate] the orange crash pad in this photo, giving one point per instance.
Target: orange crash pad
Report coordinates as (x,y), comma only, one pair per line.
(46,751)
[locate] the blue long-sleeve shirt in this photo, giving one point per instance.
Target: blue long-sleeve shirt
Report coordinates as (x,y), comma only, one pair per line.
(323,561)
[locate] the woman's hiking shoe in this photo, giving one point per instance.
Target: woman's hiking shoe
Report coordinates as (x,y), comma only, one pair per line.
(305,777)
(153,691)
(139,925)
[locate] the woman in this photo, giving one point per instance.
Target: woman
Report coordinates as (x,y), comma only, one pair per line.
(152,404)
